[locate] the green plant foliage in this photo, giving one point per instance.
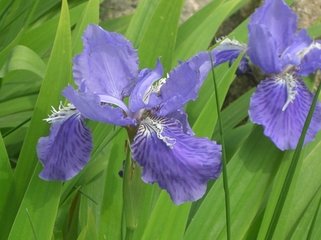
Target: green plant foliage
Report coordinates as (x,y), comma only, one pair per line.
(272,194)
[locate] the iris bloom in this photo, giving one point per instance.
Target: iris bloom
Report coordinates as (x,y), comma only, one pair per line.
(281,101)
(106,73)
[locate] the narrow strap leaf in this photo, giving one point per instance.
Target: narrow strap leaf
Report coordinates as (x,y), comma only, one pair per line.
(224,163)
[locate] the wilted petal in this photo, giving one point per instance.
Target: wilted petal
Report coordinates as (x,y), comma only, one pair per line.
(263,49)
(66,150)
(91,107)
(279,20)
(184,82)
(108,64)
(180,163)
(144,92)
(283,120)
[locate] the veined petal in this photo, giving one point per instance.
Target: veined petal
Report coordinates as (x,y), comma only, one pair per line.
(66,150)
(279,20)
(91,107)
(144,94)
(184,82)
(180,163)
(108,64)
(281,115)
(181,116)
(263,49)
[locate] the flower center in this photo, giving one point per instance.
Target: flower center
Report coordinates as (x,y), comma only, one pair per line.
(154,88)
(62,113)
(155,125)
(290,82)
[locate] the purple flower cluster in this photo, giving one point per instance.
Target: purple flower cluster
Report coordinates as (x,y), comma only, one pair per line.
(107,75)
(164,145)
(284,54)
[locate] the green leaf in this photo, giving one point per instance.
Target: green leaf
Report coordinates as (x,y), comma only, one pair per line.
(250,170)
(205,124)
(224,160)
(15,119)
(198,32)
(58,74)
(40,38)
(160,35)
(140,20)
(315,231)
(167,221)
(235,112)
(18,84)
(307,184)
(90,15)
(18,18)
(306,223)
(37,213)
(16,105)
(89,232)
(6,175)
(23,58)
(111,206)
(119,25)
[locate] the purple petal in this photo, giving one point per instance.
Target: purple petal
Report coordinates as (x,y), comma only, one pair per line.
(180,163)
(311,62)
(143,94)
(292,55)
(279,20)
(66,150)
(283,120)
(108,64)
(184,82)
(181,116)
(227,51)
(90,107)
(263,49)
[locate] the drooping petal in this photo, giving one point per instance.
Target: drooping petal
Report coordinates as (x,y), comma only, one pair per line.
(263,49)
(144,92)
(91,107)
(184,82)
(108,64)
(66,150)
(281,115)
(180,163)
(311,61)
(279,20)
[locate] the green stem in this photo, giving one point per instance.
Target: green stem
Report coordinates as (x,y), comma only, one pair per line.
(131,176)
(225,178)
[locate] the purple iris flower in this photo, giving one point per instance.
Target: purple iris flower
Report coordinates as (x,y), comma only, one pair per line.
(284,54)
(164,145)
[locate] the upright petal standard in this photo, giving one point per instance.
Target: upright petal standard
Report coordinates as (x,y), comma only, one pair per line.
(164,145)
